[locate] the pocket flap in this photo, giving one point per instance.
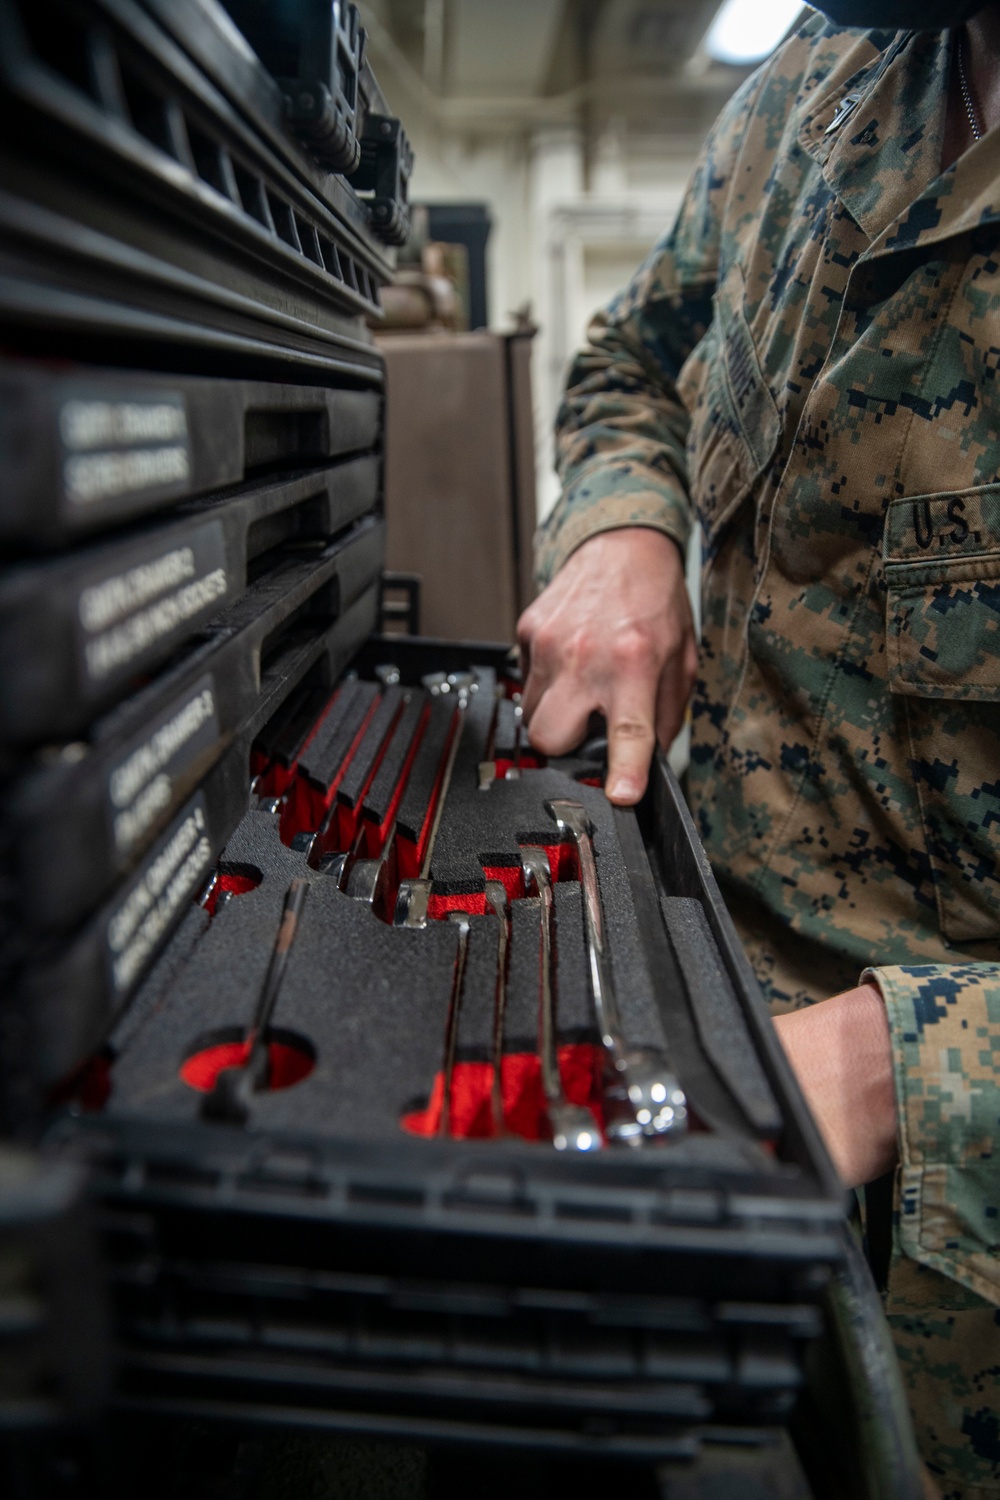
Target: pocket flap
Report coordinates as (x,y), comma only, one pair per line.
(942,571)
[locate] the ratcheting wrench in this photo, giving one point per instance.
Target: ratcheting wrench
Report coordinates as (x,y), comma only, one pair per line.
(643,1098)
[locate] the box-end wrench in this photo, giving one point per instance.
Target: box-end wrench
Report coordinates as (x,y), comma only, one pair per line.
(573,1126)
(643,1098)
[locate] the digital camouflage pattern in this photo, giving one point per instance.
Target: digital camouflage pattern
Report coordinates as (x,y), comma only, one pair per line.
(811,361)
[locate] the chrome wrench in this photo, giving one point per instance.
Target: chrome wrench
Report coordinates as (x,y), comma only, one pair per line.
(461,920)
(496,900)
(643,1098)
(413,895)
(573,1126)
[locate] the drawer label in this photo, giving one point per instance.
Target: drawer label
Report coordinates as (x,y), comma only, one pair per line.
(123,447)
(124,615)
(167,879)
(143,784)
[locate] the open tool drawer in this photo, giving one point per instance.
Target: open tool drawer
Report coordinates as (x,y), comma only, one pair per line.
(308,1239)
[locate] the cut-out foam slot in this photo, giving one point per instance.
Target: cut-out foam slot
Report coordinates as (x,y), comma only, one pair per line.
(291,1057)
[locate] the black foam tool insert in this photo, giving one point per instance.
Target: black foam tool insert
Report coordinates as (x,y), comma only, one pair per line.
(157,988)
(708,1094)
(425,770)
(576,1018)
(720,1022)
(488,828)
(520,1032)
(283,736)
(370,1000)
(378,798)
(324,756)
(505,737)
(365,758)
(475,1031)
(477,724)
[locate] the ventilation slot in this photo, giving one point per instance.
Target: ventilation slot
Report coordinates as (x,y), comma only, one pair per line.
(330,258)
(61,42)
(309,240)
(284,221)
(212,163)
(253,196)
(148,111)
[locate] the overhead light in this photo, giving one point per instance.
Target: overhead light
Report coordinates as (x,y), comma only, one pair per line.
(745,31)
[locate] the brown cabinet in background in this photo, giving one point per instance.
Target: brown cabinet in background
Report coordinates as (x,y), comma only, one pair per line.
(460,477)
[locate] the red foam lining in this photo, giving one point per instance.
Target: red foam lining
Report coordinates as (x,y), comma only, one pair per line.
(580,1067)
(410,855)
(563,863)
(510,876)
(473,902)
(274,777)
(288,1064)
(306,804)
(376,834)
(237,879)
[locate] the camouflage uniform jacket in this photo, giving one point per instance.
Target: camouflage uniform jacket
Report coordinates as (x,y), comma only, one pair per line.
(810,361)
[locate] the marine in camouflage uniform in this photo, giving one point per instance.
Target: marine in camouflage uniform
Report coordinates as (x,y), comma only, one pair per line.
(810,361)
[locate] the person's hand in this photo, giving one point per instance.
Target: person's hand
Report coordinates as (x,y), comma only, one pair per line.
(841,1053)
(612,633)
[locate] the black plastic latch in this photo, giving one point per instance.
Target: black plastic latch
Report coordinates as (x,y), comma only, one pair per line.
(384,174)
(315,52)
(324,110)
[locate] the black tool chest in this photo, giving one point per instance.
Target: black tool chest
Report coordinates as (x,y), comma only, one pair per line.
(359,1071)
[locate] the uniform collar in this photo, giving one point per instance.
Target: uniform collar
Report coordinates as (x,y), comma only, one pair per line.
(878,136)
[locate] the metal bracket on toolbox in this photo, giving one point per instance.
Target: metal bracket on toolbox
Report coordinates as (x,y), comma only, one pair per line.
(314,50)
(384,172)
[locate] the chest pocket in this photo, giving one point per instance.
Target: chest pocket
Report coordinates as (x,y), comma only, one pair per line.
(942,569)
(734,422)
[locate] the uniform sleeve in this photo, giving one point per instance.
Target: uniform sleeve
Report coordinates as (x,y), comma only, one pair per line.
(621,429)
(945,1025)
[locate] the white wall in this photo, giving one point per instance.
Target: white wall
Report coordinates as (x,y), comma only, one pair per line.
(556,244)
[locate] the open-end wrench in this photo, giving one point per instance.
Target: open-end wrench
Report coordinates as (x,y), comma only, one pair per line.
(573,1126)
(461,921)
(231,1097)
(643,1097)
(413,895)
(496,900)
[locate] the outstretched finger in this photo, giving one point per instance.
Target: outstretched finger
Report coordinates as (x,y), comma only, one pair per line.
(631,739)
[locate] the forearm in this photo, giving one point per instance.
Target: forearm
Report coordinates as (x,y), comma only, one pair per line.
(841,1053)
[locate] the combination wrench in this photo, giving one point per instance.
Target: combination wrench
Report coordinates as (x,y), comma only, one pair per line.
(642,1098)
(573,1126)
